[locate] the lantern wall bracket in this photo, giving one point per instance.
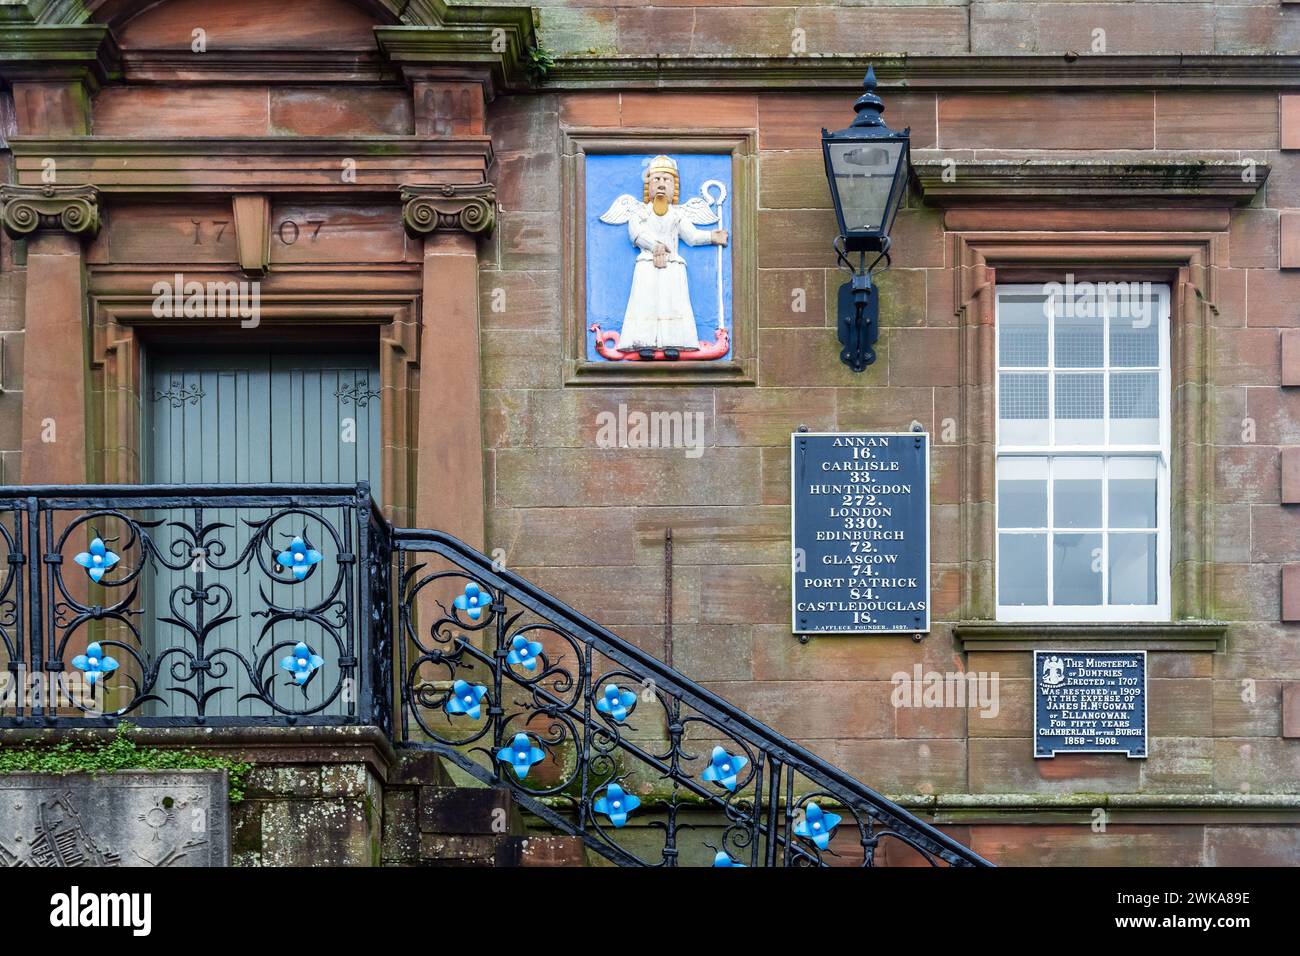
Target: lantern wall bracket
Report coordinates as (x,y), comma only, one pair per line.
(859,309)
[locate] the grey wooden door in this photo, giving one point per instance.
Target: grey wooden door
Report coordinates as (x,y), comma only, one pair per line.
(255,418)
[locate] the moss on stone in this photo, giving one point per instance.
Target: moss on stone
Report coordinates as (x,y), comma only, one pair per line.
(118,753)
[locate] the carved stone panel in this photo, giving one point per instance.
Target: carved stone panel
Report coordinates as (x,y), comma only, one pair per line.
(129,818)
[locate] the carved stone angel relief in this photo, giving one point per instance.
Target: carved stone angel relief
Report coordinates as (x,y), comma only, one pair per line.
(678,303)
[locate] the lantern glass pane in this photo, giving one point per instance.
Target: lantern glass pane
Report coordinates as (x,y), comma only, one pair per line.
(864,181)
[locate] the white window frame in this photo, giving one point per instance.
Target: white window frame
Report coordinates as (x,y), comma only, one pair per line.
(1101,613)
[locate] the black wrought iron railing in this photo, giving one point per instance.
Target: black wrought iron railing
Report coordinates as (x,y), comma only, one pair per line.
(590,732)
(300,605)
(221,605)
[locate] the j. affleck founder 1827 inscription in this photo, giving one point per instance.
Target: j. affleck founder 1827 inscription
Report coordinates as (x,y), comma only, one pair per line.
(861,532)
(1090,702)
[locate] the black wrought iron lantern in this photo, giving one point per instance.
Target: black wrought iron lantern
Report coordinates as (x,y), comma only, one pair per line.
(867,168)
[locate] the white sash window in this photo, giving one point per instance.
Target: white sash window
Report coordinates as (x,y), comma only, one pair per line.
(1083,396)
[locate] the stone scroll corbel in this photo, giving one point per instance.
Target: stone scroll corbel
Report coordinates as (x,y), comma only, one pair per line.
(26,209)
(470,208)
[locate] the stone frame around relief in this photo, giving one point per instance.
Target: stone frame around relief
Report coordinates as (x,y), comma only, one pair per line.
(738,367)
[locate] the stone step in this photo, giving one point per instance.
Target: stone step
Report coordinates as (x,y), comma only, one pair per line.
(467,811)
(550,851)
(527,851)
(417,768)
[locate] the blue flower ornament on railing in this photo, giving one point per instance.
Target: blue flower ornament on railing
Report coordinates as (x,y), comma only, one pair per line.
(299,558)
(617,804)
(301,663)
(97,560)
(524,652)
(465,699)
(616,702)
(817,825)
(724,768)
(521,754)
(473,601)
(94,663)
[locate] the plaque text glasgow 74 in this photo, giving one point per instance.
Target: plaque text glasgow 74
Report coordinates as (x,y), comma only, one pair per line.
(860,518)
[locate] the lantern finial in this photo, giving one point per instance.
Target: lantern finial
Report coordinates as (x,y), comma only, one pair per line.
(869,106)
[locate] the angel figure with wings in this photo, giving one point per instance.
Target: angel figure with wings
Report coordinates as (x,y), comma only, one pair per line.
(659,321)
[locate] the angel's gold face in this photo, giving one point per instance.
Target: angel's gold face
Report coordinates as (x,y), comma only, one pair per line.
(662,185)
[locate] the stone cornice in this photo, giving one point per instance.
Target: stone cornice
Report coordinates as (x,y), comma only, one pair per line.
(959,72)
(25,210)
(88,53)
(318,164)
(427,13)
(426,209)
(256,66)
(948,180)
(489,43)
(495,50)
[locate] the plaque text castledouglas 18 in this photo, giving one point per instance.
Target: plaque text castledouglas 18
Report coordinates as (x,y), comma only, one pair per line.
(860,514)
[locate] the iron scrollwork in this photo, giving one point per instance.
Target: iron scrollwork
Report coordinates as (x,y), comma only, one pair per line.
(171,614)
(302,605)
(589,733)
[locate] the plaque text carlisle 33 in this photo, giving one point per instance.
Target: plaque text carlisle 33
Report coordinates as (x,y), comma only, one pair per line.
(860,529)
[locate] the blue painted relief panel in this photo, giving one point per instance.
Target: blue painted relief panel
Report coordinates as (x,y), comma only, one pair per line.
(658,294)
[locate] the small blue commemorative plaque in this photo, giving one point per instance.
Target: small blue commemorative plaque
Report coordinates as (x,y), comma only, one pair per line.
(1090,702)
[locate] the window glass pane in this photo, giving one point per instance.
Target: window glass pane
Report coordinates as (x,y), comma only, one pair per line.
(1022,408)
(1076,493)
(1076,569)
(1134,326)
(1022,569)
(1133,569)
(1022,493)
(1080,338)
(1135,408)
(1022,331)
(1132,490)
(1079,401)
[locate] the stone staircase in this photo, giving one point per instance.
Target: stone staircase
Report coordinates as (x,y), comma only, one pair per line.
(430,821)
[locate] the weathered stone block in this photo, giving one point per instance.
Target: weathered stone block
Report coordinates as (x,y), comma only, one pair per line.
(291,781)
(344,780)
(1032,121)
(1253,239)
(1290,357)
(551,851)
(1290,121)
(1291,710)
(443,850)
(467,811)
(401,832)
(321,832)
(1291,593)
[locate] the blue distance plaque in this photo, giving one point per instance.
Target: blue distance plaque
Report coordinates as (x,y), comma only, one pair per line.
(860,528)
(1090,702)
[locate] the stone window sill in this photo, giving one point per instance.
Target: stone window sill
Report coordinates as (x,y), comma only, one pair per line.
(1163,636)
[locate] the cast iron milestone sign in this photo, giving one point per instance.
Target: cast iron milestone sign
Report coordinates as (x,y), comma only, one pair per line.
(860,520)
(1090,702)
